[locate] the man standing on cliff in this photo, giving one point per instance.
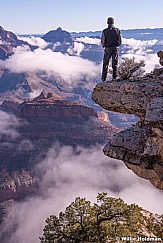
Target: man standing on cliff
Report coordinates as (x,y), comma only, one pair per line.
(110,40)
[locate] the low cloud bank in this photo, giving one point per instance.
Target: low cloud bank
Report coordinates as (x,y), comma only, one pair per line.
(141,50)
(67,173)
(8,123)
(88,40)
(34,41)
(69,68)
(139,45)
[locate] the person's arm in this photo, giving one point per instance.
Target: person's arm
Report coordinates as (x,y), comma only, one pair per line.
(103,39)
(119,38)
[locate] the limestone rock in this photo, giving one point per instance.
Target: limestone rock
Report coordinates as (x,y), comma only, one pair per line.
(128,97)
(141,146)
(160,55)
(154,112)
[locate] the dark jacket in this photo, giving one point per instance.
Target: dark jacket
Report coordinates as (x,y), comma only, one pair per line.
(111,37)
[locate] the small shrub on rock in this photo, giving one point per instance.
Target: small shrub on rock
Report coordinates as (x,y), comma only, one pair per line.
(130,68)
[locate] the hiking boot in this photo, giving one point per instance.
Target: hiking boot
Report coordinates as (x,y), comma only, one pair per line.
(116,79)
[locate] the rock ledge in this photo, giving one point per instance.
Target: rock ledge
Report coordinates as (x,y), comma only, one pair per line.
(141,146)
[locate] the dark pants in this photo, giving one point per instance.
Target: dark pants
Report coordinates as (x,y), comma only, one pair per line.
(111,52)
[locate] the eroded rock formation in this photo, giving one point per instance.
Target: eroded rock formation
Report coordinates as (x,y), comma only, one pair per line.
(141,146)
(14,185)
(8,41)
(45,120)
(58,35)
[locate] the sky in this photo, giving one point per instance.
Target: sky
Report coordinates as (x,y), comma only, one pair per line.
(40,16)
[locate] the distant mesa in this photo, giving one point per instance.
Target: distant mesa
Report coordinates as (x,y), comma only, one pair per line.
(45,120)
(56,119)
(58,35)
(49,107)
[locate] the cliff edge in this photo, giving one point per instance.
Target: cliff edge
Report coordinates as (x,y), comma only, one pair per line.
(140,146)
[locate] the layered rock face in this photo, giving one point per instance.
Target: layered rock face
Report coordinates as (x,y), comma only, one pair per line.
(54,107)
(141,146)
(45,120)
(8,41)
(10,82)
(14,185)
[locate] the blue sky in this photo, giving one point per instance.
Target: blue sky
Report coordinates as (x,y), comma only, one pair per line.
(40,16)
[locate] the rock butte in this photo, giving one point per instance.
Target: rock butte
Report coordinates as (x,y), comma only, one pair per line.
(43,121)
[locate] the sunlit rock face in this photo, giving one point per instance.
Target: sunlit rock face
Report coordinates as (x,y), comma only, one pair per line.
(8,41)
(141,146)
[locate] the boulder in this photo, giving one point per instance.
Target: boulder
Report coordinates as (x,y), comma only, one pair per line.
(160,55)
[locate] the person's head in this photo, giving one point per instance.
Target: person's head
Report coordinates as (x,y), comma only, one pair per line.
(110,21)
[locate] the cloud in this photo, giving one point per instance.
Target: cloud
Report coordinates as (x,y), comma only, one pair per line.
(54,45)
(139,45)
(72,69)
(8,123)
(69,68)
(34,41)
(67,173)
(89,40)
(76,49)
(35,93)
(151,60)
(141,50)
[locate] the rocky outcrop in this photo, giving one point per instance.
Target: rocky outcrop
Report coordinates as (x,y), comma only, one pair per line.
(141,146)
(54,107)
(160,55)
(8,41)
(14,185)
(49,107)
(13,82)
(58,35)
